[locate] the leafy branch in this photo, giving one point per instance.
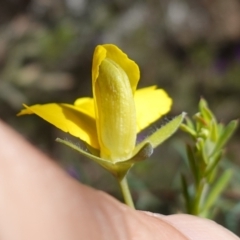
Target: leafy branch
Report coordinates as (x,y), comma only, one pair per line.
(204,153)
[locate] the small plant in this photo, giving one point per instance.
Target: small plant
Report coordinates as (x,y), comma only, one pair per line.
(108,124)
(204,154)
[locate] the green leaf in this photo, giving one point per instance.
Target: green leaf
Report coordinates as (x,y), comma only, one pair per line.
(189,123)
(187,129)
(214,160)
(226,134)
(203,133)
(200,121)
(192,163)
(200,145)
(216,190)
(162,134)
(186,194)
(214,133)
(205,111)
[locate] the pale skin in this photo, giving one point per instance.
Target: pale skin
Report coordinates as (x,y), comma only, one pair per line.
(39,201)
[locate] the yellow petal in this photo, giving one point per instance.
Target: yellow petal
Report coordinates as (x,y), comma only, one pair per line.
(116,55)
(151,104)
(98,56)
(86,105)
(115,110)
(68,118)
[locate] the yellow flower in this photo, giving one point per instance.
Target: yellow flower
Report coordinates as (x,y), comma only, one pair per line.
(109,122)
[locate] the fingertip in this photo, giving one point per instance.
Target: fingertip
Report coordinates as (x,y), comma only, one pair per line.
(198,228)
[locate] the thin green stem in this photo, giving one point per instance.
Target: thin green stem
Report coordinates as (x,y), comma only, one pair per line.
(126,192)
(198,198)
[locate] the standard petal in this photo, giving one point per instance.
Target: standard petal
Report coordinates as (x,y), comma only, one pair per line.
(151,104)
(68,118)
(128,65)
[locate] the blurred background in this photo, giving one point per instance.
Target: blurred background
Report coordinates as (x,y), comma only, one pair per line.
(189,48)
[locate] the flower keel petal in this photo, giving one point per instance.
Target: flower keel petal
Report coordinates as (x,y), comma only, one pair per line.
(116,121)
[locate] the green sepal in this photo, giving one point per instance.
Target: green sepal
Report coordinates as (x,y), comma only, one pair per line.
(115,169)
(162,134)
(119,168)
(92,150)
(145,152)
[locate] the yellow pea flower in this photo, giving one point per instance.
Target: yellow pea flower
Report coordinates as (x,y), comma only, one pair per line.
(109,122)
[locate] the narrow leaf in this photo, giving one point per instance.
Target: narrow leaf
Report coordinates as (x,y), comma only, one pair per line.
(226,134)
(216,190)
(213,163)
(200,144)
(186,194)
(187,129)
(192,163)
(205,111)
(214,131)
(189,122)
(200,121)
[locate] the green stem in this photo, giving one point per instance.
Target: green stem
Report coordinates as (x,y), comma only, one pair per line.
(126,192)
(199,201)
